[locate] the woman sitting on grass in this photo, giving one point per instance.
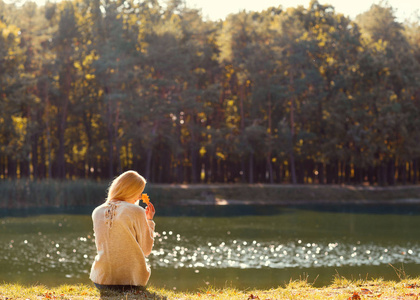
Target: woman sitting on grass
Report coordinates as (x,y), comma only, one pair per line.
(124,236)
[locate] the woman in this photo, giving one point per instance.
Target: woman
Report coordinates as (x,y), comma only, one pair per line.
(124,236)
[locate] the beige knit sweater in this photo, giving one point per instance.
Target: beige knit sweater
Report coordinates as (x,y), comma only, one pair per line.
(123,238)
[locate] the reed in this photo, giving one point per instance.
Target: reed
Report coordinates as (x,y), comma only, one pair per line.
(25,193)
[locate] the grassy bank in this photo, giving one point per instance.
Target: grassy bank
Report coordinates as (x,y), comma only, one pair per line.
(287,194)
(25,193)
(341,288)
(53,193)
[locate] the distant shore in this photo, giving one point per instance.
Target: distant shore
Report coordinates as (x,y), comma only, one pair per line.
(282,194)
(24,194)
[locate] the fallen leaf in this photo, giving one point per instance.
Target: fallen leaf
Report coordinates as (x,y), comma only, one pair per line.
(355,296)
(253,297)
(145,198)
(366,291)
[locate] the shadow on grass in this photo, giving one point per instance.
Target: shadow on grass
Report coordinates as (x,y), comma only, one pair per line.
(112,295)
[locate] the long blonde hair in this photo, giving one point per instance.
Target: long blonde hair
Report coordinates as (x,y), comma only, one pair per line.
(128,185)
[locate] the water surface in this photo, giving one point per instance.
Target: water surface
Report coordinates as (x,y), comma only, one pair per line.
(244,247)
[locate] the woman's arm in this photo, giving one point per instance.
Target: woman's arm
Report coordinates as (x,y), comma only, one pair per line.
(150,211)
(145,236)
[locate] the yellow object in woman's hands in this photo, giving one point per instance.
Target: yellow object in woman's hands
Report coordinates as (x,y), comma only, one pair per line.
(145,198)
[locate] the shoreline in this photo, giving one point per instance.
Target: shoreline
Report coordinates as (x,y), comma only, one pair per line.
(283,185)
(223,202)
(27,195)
(196,208)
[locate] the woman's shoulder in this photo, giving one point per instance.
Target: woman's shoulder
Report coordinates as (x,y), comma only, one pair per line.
(99,208)
(119,209)
(119,205)
(131,208)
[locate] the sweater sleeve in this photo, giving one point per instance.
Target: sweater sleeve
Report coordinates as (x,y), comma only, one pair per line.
(145,234)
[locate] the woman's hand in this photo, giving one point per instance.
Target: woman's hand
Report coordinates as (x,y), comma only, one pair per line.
(150,211)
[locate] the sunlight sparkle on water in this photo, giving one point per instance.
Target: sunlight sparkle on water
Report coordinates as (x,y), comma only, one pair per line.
(253,254)
(172,252)
(70,255)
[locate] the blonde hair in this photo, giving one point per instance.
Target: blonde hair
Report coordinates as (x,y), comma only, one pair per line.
(127,186)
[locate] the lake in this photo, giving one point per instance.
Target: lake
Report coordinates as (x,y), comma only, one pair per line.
(238,246)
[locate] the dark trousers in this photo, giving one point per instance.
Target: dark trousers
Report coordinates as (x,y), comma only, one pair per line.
(118,288)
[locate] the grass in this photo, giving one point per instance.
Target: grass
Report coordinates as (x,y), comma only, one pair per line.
(287,194)
(341,288)
(24,193)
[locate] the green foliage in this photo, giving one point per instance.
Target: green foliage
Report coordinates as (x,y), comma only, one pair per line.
(91,88)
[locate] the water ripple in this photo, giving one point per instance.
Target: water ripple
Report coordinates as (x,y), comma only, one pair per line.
(170,251)
(72,255)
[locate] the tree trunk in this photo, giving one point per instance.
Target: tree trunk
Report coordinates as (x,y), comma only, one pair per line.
(62,123)
(278,172)
(371,175)
(110,142)
(383,173)
(391,172)
(117,139)
(347,172)
(251,167)
(150,152)
(34,158)
(321,178)
(358,175)
(207,168)
(403,172)
(2,167)
(328,170)
(24,168)
(292,167)
(11,167)
(269,163)
(300,172)
(242,172)
(336,172)
(61,126)
(88,129)
(270,169)
(149,156)
(48,130)
(194,159)
(292,134)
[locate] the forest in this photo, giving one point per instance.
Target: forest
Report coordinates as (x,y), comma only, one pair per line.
(91,88)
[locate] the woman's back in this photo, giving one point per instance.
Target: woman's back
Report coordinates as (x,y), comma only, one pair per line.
(123,237)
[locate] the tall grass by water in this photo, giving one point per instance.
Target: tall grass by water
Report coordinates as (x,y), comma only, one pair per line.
(26,193)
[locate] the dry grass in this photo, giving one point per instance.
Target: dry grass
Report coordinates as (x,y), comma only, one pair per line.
(341,288)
